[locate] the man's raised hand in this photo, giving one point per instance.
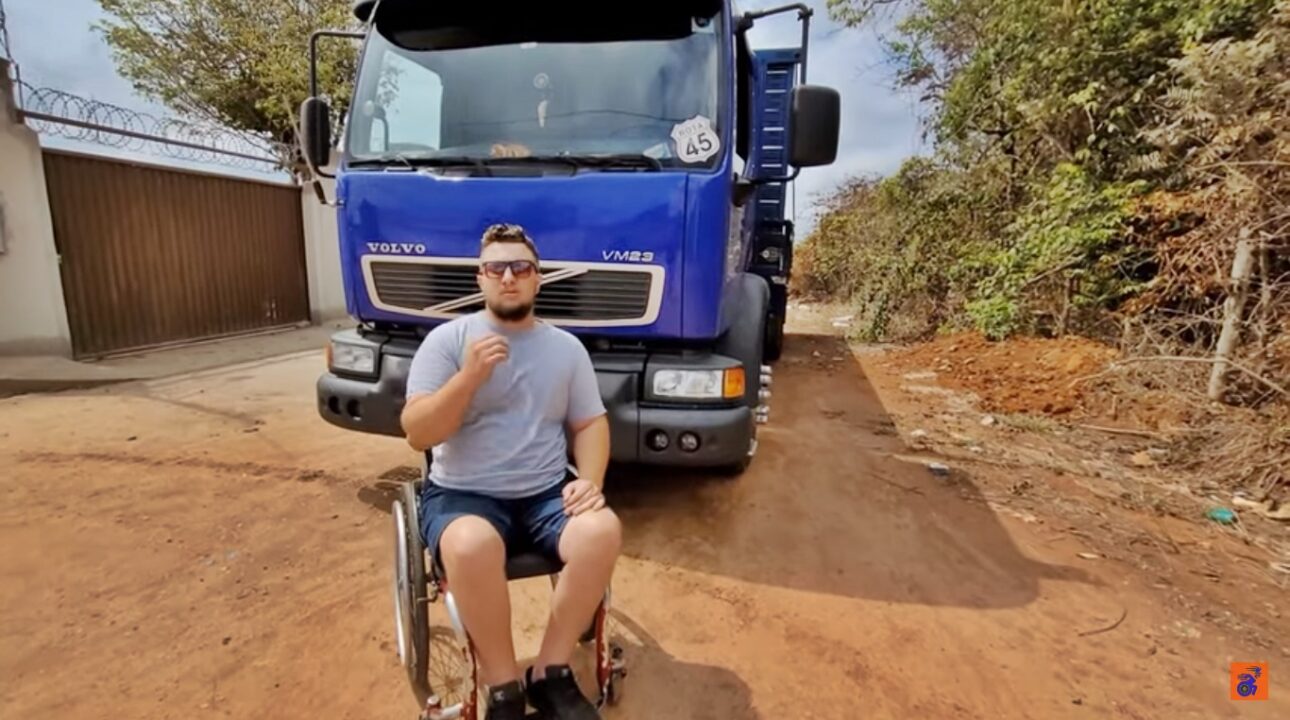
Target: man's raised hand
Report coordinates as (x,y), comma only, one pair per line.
(483,355)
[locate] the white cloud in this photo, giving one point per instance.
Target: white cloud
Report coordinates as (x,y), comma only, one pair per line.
(55,46)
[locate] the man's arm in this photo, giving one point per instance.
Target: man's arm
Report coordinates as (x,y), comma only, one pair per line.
(591,449)
(431,417)
(589,426)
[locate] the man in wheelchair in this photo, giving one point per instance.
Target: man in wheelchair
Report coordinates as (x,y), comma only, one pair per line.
(501,399)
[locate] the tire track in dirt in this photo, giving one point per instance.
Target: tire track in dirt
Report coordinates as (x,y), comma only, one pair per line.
(252,469)
(838,578)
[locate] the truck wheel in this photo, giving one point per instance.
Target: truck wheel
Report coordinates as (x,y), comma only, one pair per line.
(774,338)
(735,469)
(746,342)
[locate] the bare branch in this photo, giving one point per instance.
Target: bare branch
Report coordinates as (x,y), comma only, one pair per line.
(1206,361)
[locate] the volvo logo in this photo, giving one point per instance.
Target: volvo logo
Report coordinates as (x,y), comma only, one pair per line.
(397,248)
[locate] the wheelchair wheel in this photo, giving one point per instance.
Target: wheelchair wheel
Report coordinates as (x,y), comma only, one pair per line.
(614,694)
(453,671)
(609,657)
(410,613)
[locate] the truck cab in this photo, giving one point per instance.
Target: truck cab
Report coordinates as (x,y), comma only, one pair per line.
(647,154)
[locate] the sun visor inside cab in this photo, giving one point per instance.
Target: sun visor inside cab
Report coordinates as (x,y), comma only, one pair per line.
(420,25)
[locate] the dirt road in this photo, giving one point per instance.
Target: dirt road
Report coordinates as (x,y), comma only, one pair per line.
(205,546)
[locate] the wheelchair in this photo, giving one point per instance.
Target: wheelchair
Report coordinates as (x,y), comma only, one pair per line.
(417,585)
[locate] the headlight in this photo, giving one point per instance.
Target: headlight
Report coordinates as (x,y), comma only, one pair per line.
(699,384)
(353,358)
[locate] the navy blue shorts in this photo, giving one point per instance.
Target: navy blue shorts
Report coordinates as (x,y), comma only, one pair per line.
(529,524)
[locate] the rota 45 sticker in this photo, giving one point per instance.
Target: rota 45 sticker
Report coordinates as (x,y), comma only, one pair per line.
(695,140)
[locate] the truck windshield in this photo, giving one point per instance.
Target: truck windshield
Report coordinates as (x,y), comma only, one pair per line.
(438,96)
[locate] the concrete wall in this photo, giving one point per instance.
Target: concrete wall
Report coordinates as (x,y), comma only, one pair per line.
(33,315)
(322,254)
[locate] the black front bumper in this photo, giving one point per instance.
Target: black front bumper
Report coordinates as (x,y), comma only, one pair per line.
(370,405)
(725,433)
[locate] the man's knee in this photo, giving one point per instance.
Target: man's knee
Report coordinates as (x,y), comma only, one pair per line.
(598,533)
(471,541)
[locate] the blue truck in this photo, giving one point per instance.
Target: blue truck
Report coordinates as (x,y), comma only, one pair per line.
(647,154)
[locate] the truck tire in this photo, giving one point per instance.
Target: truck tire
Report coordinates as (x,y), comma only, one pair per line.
(746,341)
(774,338)
(736,469)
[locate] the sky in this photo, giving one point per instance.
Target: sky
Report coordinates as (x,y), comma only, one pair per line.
(55,46)
(880,124)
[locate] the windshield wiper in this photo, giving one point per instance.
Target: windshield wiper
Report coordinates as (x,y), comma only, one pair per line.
(482,164)
(533,160)
(415,161)
(622,160)
(577,162)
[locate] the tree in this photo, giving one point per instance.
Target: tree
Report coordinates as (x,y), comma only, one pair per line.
(1039,111)
(243,65)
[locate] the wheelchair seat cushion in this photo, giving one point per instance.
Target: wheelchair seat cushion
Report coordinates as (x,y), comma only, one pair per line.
(531,564)
(530,527)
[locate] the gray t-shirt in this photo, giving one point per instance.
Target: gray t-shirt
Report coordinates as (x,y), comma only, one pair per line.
(512,441)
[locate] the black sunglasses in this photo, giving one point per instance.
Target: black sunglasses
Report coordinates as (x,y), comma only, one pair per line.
(497,268)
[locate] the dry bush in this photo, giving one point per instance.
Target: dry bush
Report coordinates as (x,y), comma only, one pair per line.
(1227,147)
(1159,385)
(1116,219)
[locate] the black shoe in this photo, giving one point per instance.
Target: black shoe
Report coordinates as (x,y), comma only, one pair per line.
(506,702)
(557,696)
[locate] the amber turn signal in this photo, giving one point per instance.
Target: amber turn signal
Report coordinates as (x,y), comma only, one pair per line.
(733,383)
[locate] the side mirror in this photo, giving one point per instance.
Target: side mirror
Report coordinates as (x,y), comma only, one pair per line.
(815,122)
(315,131)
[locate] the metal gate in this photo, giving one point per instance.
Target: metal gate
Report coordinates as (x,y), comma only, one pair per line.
(153,256)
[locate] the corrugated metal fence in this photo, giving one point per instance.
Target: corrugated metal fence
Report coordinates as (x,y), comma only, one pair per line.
(154,256)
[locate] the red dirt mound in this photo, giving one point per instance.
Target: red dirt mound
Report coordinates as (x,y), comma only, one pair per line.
(1021,375)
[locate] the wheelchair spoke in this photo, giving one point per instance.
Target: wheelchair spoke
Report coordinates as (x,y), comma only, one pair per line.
(452,667)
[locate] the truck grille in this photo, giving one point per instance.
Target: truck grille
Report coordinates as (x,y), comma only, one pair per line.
(573,294)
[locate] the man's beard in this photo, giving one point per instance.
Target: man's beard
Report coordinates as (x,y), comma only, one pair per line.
(511,313)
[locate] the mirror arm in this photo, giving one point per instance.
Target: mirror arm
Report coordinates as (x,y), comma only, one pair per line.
(782,178)
(745,23)
(804,13)
(313,52)
(760,180)
(317,171)
(314,37)
(745,187)
(322,194)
